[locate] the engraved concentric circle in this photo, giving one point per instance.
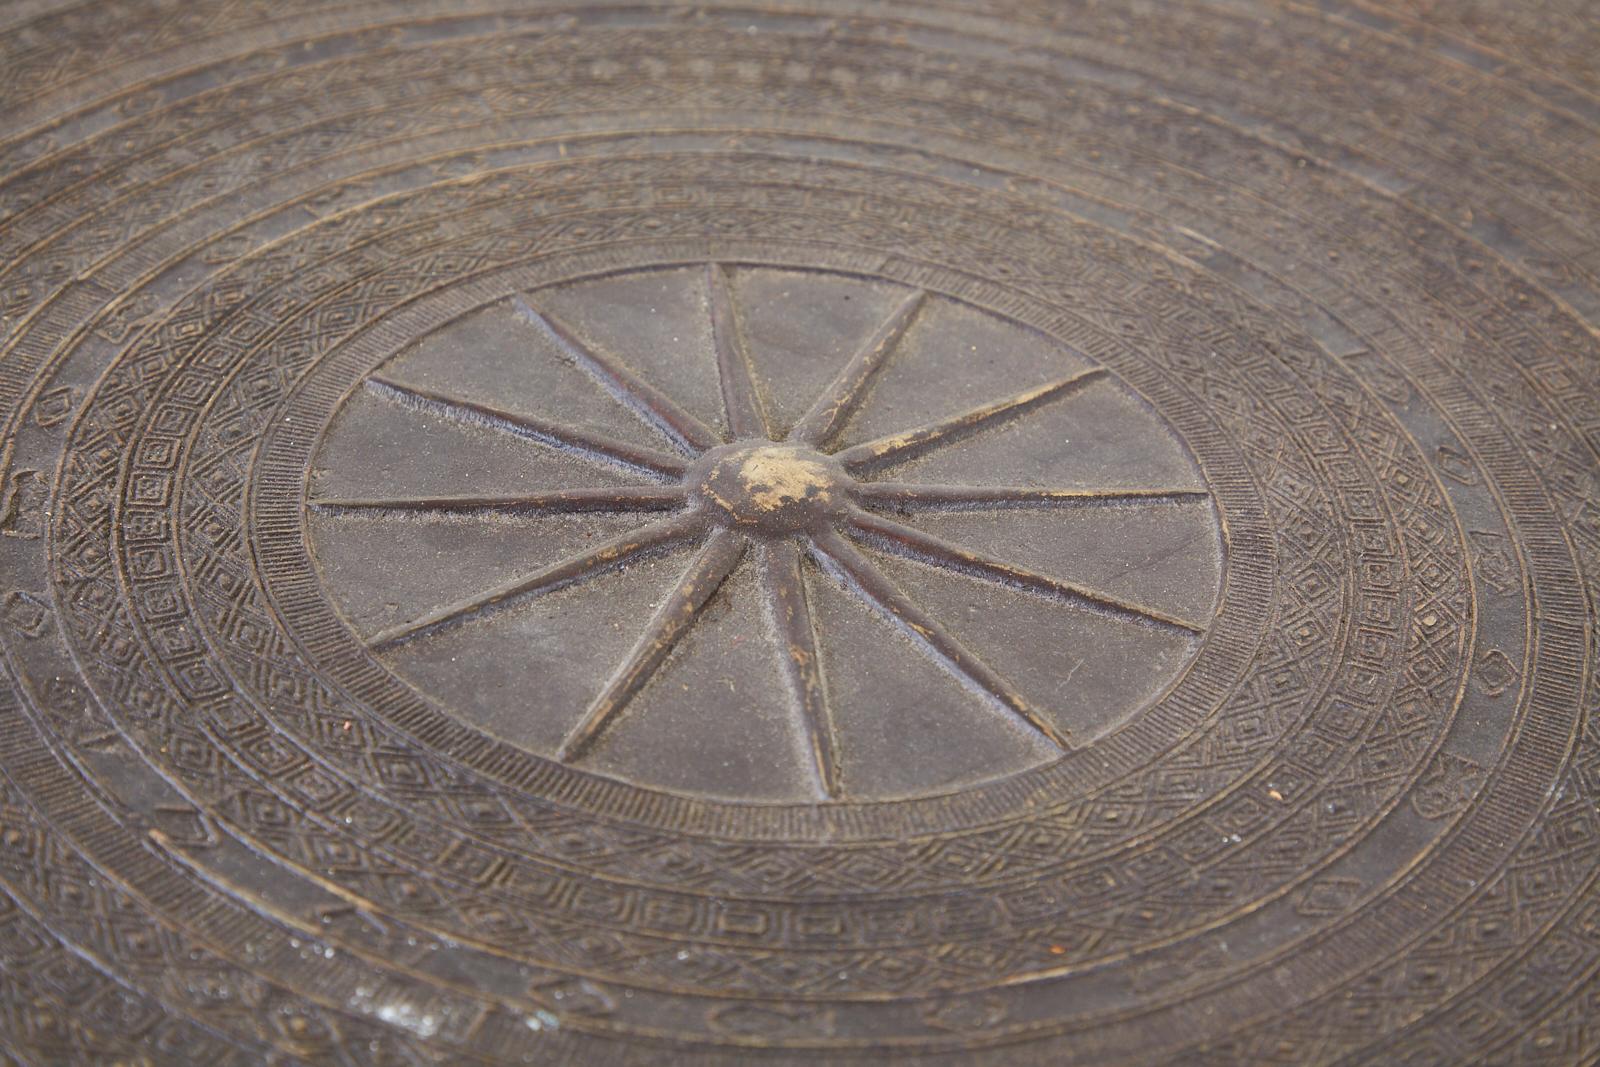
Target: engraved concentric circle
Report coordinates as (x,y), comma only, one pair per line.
(971,533)
(751,533)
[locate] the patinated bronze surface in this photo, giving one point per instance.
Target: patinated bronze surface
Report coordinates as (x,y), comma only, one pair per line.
(807,532)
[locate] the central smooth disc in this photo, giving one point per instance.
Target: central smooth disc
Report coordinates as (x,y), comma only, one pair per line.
(774,488)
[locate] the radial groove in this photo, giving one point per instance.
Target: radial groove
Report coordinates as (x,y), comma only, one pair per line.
(670,622)
(594,445)
(645,400)
(897,448)
(833,408)
(903,540)
(576,568)
(977,497)
(802,669)
(739,397)
(872,585)
(560,501)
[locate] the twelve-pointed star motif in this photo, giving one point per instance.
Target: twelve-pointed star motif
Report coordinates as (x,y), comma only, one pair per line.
(785,498)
